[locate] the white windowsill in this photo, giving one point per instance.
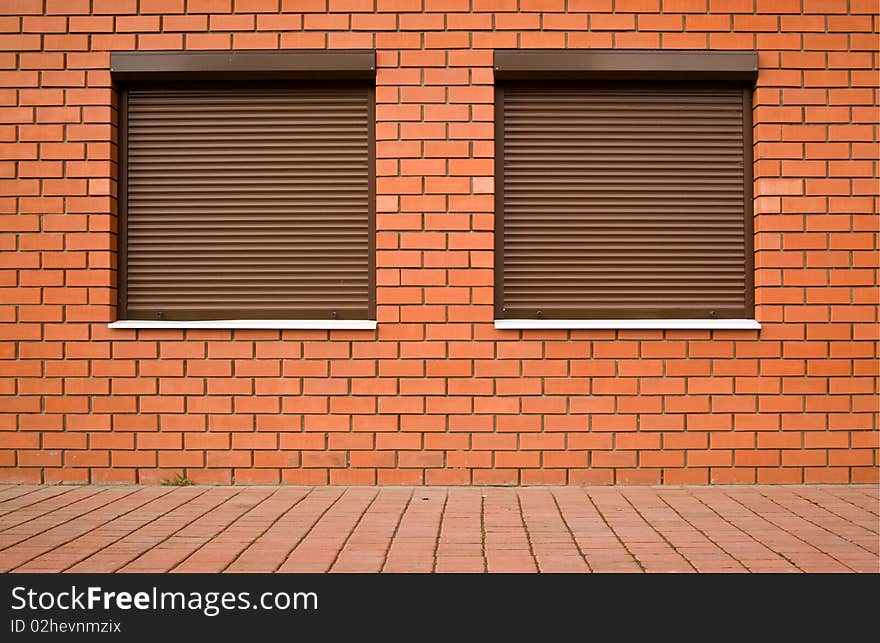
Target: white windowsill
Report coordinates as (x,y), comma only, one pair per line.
(626,324)
(271,324)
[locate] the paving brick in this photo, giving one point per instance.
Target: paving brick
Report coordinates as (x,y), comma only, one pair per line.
(407,529)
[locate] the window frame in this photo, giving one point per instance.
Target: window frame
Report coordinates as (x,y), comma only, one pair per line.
(635,68)
(221,70)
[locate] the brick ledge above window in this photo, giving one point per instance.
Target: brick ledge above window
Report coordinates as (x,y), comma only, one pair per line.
(270,324)
(626,324)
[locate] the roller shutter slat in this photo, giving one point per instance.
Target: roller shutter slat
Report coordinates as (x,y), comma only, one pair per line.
(248,203)
(622,202)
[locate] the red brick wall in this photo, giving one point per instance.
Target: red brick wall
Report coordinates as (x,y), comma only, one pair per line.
(436,395)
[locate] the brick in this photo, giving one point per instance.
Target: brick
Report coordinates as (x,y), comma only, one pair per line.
(439,373)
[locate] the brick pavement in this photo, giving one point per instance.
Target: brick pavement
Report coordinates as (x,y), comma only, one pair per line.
(423,529)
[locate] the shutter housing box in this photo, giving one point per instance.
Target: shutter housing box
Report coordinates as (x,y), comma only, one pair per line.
(246,185)
(624,185)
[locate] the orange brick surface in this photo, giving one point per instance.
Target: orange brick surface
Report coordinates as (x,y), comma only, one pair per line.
(436,395)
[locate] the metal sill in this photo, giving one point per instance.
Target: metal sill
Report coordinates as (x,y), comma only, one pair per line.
(626,324)
(271,324)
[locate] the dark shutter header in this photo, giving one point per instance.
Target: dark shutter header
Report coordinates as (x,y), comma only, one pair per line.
(635,64)
(150,66)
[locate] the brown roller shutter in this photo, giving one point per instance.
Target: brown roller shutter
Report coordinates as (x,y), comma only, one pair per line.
(623,201)
(247,202)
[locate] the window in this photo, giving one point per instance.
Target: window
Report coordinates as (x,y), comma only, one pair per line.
(623,185)
(246,186)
